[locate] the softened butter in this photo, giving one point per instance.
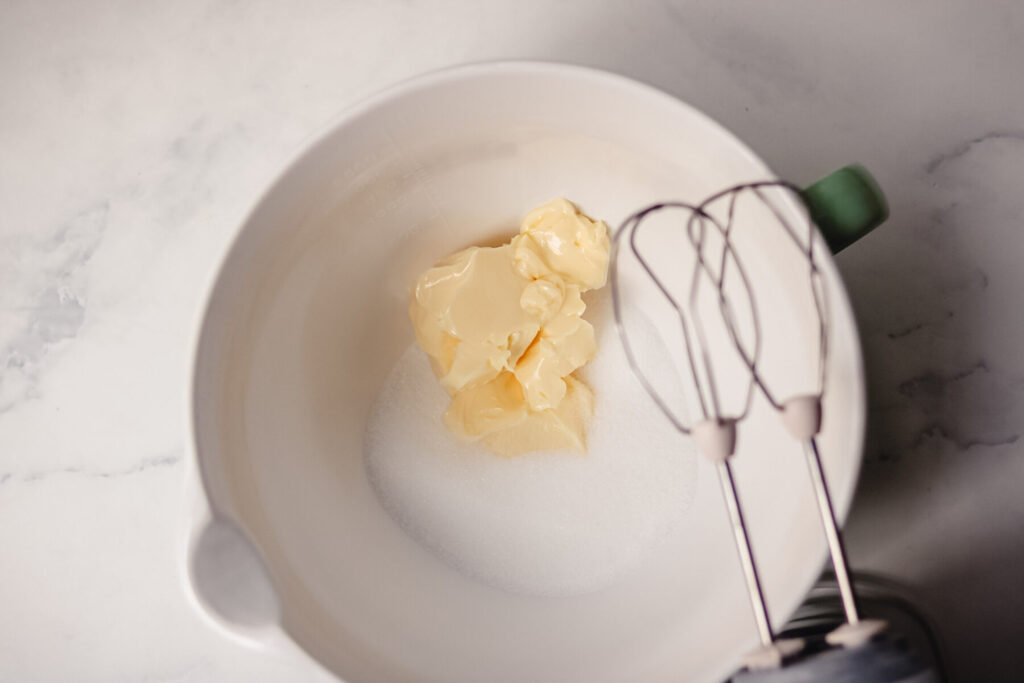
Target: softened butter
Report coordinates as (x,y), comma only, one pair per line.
(504,330)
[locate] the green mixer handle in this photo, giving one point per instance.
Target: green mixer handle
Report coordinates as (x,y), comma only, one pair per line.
(846,205)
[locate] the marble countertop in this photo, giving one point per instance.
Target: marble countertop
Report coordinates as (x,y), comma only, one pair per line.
(135,136)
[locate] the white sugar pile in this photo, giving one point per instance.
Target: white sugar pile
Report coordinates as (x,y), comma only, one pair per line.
(558,523)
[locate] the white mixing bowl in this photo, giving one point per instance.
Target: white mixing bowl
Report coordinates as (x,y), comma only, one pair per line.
(288,543)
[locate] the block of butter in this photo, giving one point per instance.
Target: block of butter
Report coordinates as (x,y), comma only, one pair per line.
(504,332)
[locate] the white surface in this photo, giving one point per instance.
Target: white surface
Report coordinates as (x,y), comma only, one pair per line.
(136,135)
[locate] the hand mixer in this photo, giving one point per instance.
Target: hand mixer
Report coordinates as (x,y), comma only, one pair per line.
(720,268)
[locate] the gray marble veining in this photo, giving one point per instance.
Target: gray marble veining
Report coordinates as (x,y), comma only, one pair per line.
(135,136)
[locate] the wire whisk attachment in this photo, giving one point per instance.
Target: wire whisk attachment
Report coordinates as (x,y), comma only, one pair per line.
(708,265)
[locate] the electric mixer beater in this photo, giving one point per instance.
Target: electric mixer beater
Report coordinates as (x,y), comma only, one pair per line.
(859,647)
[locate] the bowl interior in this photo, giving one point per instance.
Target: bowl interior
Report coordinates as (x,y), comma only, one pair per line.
(308,317)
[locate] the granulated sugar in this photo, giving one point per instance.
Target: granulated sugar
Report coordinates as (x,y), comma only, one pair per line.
(559,523)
